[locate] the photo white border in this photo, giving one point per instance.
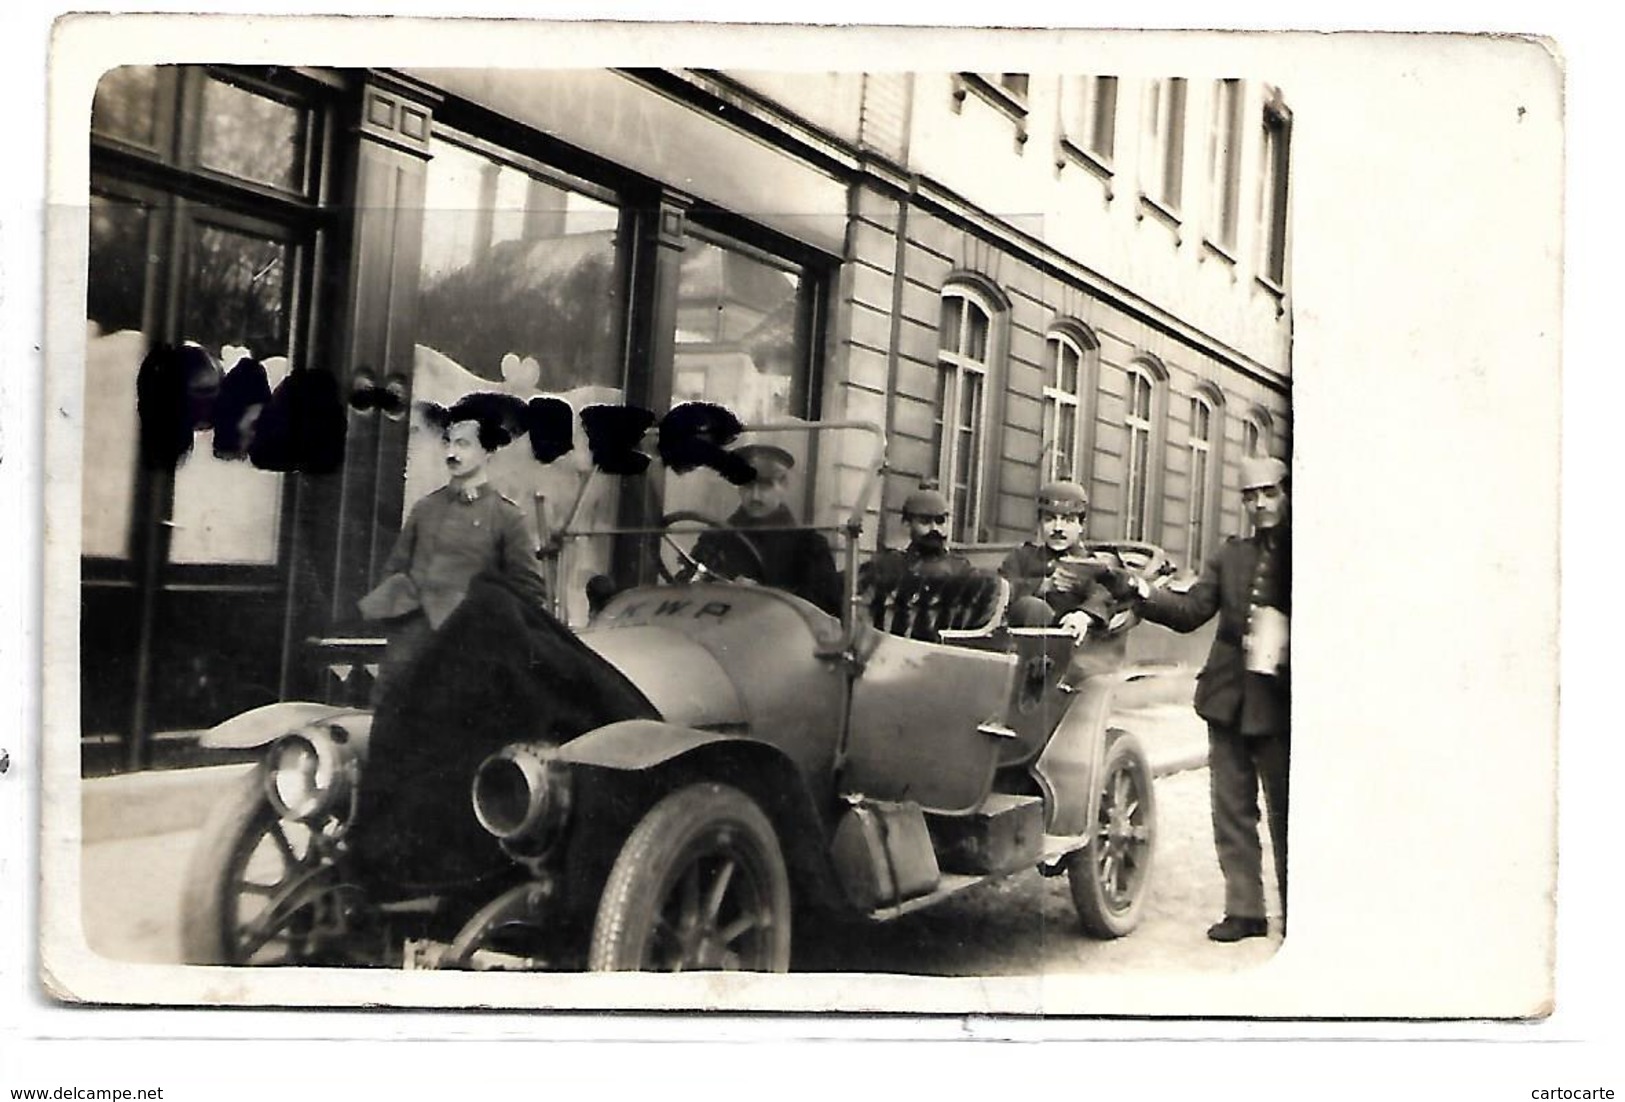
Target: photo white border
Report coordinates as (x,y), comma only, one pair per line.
(1405,471)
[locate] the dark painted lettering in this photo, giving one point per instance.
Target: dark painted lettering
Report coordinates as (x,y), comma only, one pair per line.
(697,434)
(613,435)
(719,609)
(670,608)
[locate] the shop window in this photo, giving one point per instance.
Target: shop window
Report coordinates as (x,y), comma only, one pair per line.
(959,428)
(520,290)
(1070,361)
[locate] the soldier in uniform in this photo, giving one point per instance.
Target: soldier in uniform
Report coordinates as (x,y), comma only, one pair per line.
(451,535)
(1045,588)
(1243,691)
(925,512)
(796,560)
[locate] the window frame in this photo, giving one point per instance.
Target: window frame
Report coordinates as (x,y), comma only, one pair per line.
(1274,173)
(1224,166)
(1162,157)
(1068,335)
(946,452)
(1140,518)
(1204,492)
(1086,133)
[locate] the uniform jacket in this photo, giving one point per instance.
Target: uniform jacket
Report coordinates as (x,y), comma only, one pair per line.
(891,566)
(1029,569)
(446,541)
(1238,576)
(799,561)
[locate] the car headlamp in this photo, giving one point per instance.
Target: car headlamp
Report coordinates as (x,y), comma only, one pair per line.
(307,773)
(522,797)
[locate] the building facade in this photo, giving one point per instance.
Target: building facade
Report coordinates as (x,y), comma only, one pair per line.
(1018,276)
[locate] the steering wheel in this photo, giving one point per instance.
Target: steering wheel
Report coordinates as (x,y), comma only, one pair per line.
(1145,559)
(693,567)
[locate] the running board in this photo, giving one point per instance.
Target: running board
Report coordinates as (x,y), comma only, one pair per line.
(1054,848)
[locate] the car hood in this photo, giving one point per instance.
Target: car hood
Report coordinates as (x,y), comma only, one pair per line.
(681,678)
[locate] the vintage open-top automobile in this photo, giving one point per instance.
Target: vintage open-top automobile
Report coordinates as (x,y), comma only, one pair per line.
(755,759)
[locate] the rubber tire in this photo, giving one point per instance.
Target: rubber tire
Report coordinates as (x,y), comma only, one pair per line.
(654,856)
(226,840)
(1100,918)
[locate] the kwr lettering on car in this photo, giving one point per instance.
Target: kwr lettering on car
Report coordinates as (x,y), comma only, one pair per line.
(717,609)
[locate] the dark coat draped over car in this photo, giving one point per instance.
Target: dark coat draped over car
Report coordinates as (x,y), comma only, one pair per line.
(500,669)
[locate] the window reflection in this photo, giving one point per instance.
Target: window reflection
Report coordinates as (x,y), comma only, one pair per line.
(124,104)
(114,345)
(251,136)
(238,292)
(519,290)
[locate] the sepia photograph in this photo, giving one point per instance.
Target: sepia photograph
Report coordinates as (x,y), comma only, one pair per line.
(828,523)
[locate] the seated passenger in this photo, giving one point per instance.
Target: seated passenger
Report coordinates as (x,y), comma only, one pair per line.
(925,514)
(926,587)
(1050,585)
(799,561)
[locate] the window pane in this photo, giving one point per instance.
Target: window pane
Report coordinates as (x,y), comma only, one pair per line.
(1067,367)
(1141,402)
(237,291)
(114,348)
(1014,82)
(1139,453)
(975,332)
(948,334)
(252,137)
(1104,124)
(228,511)
(1066,441)
(939,438)
(520,290)
(125,104)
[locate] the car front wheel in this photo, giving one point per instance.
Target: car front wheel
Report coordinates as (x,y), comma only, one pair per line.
(259,889)
(699,885)
(1111,876)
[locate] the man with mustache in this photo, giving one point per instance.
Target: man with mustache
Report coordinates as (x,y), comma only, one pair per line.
(451,535)
(925,513)
(1244,690)
(1046,589)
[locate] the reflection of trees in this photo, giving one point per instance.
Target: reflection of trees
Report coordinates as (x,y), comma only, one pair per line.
(552,299)
(250,136)
(118,263)
(235,292)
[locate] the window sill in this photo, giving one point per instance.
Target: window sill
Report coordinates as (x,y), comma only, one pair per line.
(1275,291)
(1000,98)
(1070,152)
(1213,248)
(1163,213)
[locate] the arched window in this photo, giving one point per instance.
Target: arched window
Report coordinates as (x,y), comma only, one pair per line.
(1258,433)
(1069,358)
(959,430)
(1141,450)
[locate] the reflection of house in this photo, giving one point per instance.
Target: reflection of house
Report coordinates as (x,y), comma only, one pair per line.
(795,245)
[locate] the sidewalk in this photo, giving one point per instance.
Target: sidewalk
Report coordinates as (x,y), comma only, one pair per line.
(1156,709)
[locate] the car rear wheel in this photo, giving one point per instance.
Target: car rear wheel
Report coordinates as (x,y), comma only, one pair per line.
(699,885)
(259,889)
(1111,876)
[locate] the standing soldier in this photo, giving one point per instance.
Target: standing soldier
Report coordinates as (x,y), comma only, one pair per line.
(451,535)
(1244,690)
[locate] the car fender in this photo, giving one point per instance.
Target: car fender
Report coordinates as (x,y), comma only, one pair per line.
(1067,768)
(639,744)
(259,726)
